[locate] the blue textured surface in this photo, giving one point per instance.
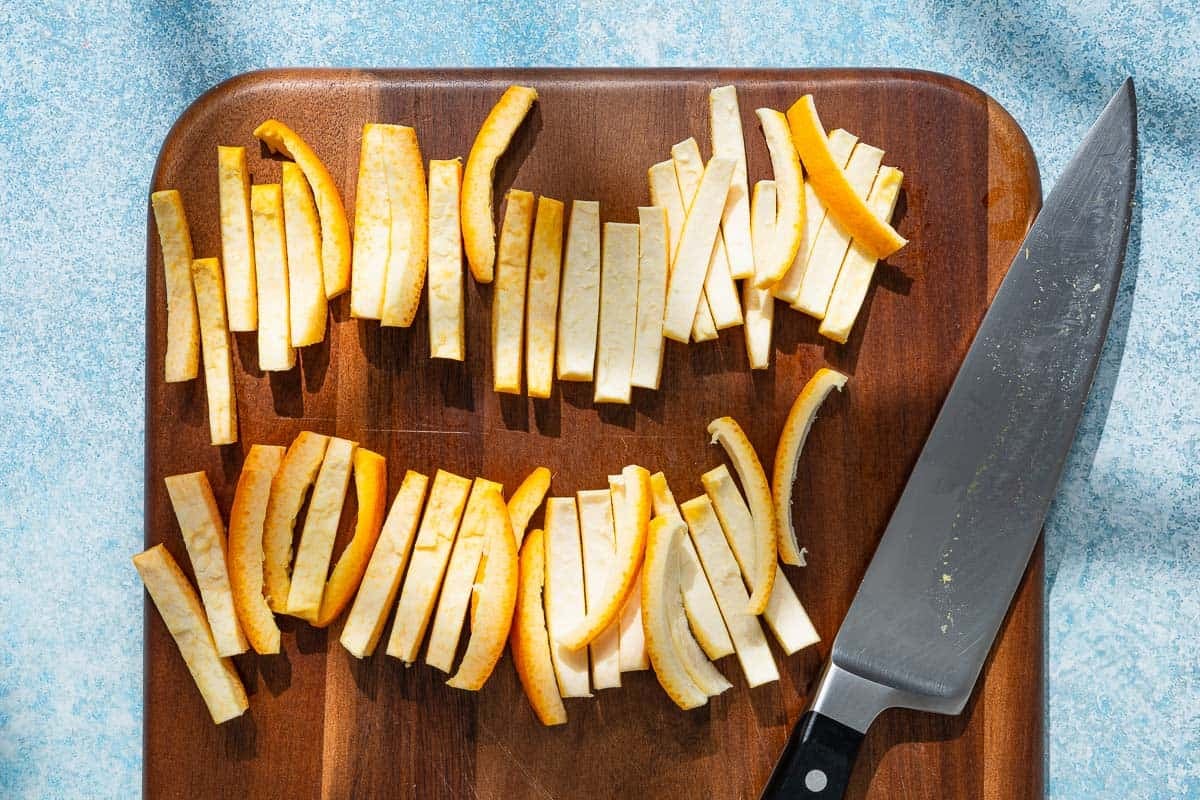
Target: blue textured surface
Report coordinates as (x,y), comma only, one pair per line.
(87,97)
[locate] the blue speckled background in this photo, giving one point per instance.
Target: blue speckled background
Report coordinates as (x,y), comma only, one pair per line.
(86,96)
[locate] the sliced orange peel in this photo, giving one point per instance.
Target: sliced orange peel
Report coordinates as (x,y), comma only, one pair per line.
(661,604)
(631,547)
(335,231)
(177,603)
(523,504)
(493,621)
(726,432)
(829,182)
(207,547)
(288,488)
(497,131)
(370,489)
(246,550)
(789,193)
(408,245)
(182,359)
(526,500)
(529,640)
(787,456)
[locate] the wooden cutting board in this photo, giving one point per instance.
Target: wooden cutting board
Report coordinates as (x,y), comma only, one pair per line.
(322,724)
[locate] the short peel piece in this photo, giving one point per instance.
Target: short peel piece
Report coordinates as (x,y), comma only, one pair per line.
(541,306)
(275,351)
(446,326)
(372,226)
(508,296)
(237,247)
(759,304)
(218,363)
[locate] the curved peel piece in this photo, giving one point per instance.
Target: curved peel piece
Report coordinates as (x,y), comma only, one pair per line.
(829,182)
(335,231)
(246,546)
(789,193)
(785,616)
(479,231)
(661,604)
(631,547)
(787,455)
(730,436)
(370,489)
(529,640)
(499,598)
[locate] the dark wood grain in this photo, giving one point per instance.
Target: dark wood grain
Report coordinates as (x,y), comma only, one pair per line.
(322,723)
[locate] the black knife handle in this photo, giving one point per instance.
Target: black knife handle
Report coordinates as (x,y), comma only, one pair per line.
(816,762)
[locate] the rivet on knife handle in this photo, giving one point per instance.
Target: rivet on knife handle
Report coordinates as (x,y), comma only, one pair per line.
(817,761)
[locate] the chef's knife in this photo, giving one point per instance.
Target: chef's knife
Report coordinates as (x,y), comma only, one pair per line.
(944,575)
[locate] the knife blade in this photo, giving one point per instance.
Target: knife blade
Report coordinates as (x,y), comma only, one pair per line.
(940,583)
